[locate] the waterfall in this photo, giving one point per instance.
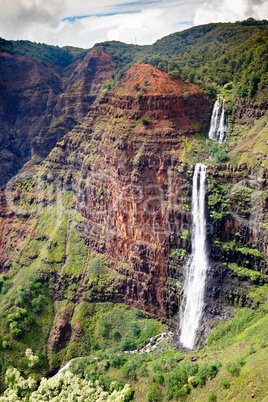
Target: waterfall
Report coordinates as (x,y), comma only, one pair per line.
(218,126)
(193,300)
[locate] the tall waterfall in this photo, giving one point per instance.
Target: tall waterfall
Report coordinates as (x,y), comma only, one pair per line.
(218,125)
(197,265)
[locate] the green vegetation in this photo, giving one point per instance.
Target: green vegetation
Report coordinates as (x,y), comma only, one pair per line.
(43,53)
(145,120)
(60,299)
(181,253)
(238,63)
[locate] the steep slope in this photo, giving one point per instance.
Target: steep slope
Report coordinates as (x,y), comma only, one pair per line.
(116,168)
(42,102)
(93,243)
(119,168)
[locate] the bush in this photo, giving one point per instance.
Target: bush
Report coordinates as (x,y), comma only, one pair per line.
(212,397)
(232,368)
(135,329)
(224,383)
(158,378)
(194,381)
(127,344)
(209,371)
(154,394)
(240,361)
(136,86)
(129,371)
(37,304)
(117,360)
(116,335)
(144,371)
(145,120)
(251,350)
(129,395)
(105,329)
(138,96)
(157,367)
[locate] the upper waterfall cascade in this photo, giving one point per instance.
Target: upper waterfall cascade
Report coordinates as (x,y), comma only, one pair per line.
(196,268)
(218,124)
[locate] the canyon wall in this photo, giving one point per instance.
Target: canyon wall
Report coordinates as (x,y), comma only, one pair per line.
(107,215)
(40,103)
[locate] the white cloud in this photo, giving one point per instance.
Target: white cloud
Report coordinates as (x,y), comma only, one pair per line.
(136,21)
(19,19)
(43,21)
(143,27)
(230,11)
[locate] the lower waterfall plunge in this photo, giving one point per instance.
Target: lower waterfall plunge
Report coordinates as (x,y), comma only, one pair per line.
(194,287)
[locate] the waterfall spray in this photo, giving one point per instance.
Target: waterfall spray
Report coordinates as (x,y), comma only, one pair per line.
(218,126)
(194,287)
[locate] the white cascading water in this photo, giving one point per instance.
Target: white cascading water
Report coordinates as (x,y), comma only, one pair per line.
(218,126)
(197,265)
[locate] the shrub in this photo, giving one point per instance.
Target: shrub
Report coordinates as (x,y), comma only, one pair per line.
(251,350)
(116,335)
(129,371)
(240,361)
(127,344)
(194,381)
(209,371)
(144,370)
(154,394)
(212,397)
(158,378)
(157,367)
(129,395)
(105,329)
(232,368)
(136,86)
(145,120)
(224,383)
(138,96)
(179,252)
(117,360)
(184,234)
(135,329)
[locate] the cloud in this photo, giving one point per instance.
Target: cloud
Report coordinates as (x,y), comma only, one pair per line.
(144,27)
(230,11)
(83,23)
(52,21)
(20,18)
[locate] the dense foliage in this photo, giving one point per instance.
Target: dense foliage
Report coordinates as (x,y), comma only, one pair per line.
(211,56)
(43,53)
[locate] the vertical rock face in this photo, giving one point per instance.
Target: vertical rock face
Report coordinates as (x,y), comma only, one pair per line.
(38,106)
(123,161)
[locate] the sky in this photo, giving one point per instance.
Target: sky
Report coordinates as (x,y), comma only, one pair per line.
(83,23)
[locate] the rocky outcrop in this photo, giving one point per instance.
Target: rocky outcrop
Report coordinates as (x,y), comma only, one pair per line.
(122,161)
(40,103)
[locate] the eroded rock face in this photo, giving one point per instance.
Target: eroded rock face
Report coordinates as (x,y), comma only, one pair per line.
(38,106)
(122,161)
